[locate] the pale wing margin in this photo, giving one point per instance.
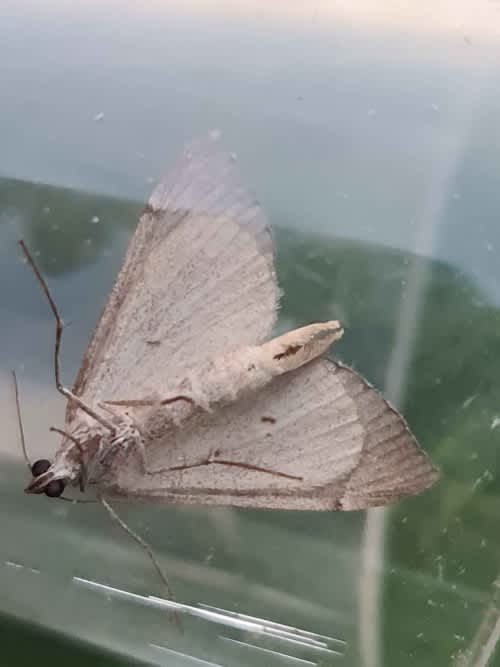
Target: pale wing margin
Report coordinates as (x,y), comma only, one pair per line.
(322,422)
(197,279)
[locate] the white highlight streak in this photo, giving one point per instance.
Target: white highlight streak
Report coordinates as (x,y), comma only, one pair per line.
(267,650)
(192,659)
(310,637)
(230,619)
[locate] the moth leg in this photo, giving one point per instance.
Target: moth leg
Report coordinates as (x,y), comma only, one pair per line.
(104,406)
(212,459)
(82,482)
(146,548)
(59,329)
(148,402)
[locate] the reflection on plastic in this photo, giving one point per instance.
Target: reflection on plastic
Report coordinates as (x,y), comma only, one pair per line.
(318,646)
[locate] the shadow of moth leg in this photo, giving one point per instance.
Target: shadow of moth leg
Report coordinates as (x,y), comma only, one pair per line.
(212,460)
(148,402)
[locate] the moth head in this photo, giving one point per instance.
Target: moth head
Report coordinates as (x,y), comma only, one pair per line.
(68,467)
(46,479)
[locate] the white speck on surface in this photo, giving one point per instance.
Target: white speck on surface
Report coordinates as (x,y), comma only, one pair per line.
(95,219)
(490,247)
(88,242)
(477,483)
(440,568)
(456,195)
(468,401)
(46,210)
(12,564)
(99,116)
(209,557)
(372,113)
(435,107)
(495,422)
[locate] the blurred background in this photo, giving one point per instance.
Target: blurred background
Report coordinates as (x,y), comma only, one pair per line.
(369,132)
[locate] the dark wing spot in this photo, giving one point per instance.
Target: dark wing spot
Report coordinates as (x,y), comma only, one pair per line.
(251,367)
(268,420)
(293,349)
(153,342)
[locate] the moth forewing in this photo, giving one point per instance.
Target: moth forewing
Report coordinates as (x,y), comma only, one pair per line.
(197,280)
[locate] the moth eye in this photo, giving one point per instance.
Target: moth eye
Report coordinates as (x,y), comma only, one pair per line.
(55,488)
(39,467)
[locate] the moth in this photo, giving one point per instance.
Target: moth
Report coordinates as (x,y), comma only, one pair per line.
(183,396)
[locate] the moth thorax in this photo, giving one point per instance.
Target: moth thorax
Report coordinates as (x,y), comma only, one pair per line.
(115,449)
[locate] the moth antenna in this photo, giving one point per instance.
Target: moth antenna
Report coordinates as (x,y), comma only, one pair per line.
(59,329)
(146,548)
(20,420)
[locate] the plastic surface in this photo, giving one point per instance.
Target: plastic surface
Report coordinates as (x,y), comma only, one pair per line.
(370,137)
